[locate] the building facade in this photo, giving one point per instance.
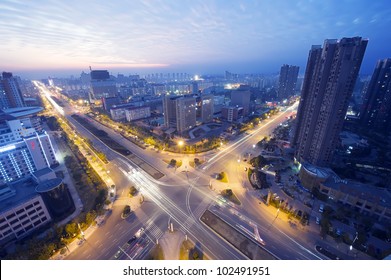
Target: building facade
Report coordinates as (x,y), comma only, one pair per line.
(231,114)
(207,107)
(101,85)
(185,113)
(23,157)
(376,110)
(287,81)
(241,98)
(329,80)
(137,113)
(10,92)
(169,110)
(21,217)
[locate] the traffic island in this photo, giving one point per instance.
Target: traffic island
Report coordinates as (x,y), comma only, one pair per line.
(238,240)
(228,194)
(191,251)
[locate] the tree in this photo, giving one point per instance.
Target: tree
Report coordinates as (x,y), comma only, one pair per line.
(71,229)
(173,162)
(90,217)
(126,209)
(258,161)
(132,191)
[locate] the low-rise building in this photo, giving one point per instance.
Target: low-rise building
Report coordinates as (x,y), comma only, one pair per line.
(22,211)
(367,200)
(136,113)
(232,114)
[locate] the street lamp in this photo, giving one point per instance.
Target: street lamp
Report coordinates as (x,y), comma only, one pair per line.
(180,144)
(81,231)
(351,246)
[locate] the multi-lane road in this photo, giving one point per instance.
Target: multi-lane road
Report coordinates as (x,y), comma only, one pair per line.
(182,197)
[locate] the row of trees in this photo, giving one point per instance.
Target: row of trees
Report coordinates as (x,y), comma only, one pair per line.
(57,237)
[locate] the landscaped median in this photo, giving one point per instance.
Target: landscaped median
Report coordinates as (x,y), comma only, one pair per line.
(242,243)
(190,251)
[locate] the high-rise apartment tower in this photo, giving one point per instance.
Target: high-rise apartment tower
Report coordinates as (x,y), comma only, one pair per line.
(329,80)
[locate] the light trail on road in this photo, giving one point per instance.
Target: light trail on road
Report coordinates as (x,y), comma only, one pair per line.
(221,154)
(171,209)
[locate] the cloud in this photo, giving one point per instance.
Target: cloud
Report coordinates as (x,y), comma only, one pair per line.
(160,32)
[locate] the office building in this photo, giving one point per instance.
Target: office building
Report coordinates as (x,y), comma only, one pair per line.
(329,80)
(194,87)
(101,85)
(22,211)
(179,112)
(137,113)
(10,93)
(376,109)
(207,107)
(231,114)
(287,81)
(241,97)
(25,155)
(109,102)
(185,113)
(169,109)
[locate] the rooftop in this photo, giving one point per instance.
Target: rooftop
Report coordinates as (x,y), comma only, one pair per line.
(360,190)
(16,193)
(42,172)
(22,111)
(319,172)
(48,185)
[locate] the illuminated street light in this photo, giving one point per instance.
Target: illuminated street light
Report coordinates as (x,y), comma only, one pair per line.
(351,246)
(180,144)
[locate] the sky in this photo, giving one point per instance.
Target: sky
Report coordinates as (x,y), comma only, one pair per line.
(58,38)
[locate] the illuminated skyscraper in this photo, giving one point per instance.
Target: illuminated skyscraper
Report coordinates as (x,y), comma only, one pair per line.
(376,109)
(329,80)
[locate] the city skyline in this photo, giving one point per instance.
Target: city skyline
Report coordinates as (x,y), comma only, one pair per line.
(52,38)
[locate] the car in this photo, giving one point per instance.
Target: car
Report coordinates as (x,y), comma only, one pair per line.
(118,254)
(321,208)
(131,239)
(139,232)
(317,221)
(299,213)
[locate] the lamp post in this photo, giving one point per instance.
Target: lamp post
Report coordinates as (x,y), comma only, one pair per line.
(81,231)
(180,144)
(355,238)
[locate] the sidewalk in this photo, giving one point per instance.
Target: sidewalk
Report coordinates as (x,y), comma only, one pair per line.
(134,203)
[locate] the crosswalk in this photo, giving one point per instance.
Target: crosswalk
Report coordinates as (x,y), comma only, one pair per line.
(154,232)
